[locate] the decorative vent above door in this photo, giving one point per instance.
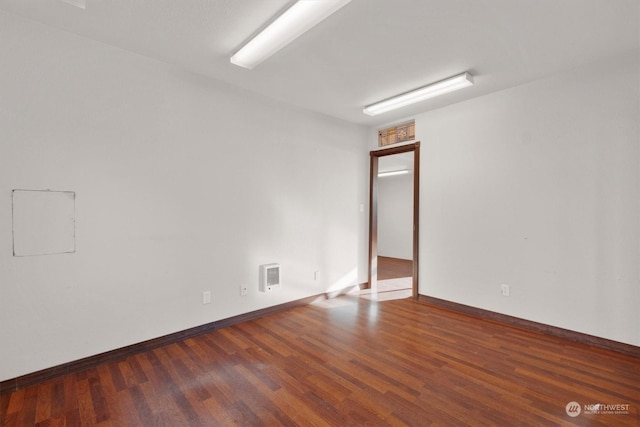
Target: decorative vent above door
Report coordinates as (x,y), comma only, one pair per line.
(398,133)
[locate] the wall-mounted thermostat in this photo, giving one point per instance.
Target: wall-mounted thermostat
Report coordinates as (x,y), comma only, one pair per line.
(269,277)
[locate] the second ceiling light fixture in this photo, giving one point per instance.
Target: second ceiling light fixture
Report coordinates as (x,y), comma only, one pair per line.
(425,92)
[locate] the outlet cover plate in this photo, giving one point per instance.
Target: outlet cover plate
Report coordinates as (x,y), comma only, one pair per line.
(504,289)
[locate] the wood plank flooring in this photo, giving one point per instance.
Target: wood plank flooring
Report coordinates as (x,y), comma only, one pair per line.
(349,361)
(394,268)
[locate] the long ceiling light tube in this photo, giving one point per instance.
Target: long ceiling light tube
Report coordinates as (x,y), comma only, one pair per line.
(299,18)
(429,91)
(392,173)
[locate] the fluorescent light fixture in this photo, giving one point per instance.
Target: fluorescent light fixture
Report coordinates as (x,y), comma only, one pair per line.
(300,17)
(444,86)
(391,173)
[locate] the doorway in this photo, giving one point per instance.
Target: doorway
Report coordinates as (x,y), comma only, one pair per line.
(374,187)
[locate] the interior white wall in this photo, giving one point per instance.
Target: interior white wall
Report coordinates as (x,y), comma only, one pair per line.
(395,216)
(182,185)
(538,187)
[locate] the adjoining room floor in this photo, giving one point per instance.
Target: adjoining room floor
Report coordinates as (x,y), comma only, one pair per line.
(395,280)
(394,268)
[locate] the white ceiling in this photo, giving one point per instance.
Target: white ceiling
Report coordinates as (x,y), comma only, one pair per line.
(365,52)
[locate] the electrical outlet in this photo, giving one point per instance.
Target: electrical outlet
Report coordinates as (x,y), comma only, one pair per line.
(316,275)
(244,290)
(505,290)
(206,297)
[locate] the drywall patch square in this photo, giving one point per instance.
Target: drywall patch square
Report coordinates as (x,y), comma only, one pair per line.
(43,222)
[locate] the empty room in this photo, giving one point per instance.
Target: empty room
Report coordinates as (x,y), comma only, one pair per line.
(319,212)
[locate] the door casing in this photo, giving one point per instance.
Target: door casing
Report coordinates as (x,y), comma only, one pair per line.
(373,210)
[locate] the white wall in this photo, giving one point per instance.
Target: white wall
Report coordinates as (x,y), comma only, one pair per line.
(538,187)
(182,185)
(395,216)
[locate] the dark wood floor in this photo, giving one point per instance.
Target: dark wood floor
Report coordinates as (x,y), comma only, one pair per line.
(344,362)
(394,268)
